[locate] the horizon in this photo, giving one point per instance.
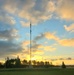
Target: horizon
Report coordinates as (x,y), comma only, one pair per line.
(52,30)
(51,61)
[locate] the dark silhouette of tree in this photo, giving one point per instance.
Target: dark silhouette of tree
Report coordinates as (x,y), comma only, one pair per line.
(63,65)
(38,63)
(47,64)
(18,62)
(7,63)
(1,65)
(25,63)
(34,62)
(12,63)
(41,64)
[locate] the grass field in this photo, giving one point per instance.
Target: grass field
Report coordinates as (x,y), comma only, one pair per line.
(37,72)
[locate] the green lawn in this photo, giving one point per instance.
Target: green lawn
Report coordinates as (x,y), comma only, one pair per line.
(37,72)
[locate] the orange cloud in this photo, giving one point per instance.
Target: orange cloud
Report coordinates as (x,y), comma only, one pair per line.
(49,48)
(50,36)
(66,9)
(25,43)
(38,52)
(47,35)
(42,47)
(63,42)
(37,58)
(67,42)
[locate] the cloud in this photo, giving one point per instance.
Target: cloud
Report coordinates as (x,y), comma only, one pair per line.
(9,48)
(37,11)
(4,17)
(65,9)
(7,19)
(67,42)
(49,48)
(52,36)
(8,43)
(36,49)
(9,34)
(37,52)
(43,47)
(69,28)
(36,46)
(69,58)
(47,35)
(8,38)
(63,42)
(32,10)
(25,24)
(25,43)
(37,58)
(39,37)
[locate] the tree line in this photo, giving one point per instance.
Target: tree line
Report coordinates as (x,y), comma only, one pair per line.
(17,63)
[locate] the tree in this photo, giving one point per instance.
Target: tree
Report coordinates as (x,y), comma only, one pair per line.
(63,65)
(25,62)
(10,63)
(1,65)
(47,64)
(18,62)
(40,64)
(7,63)
(34,62)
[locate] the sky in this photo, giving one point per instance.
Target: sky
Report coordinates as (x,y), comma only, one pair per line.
(52,30)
